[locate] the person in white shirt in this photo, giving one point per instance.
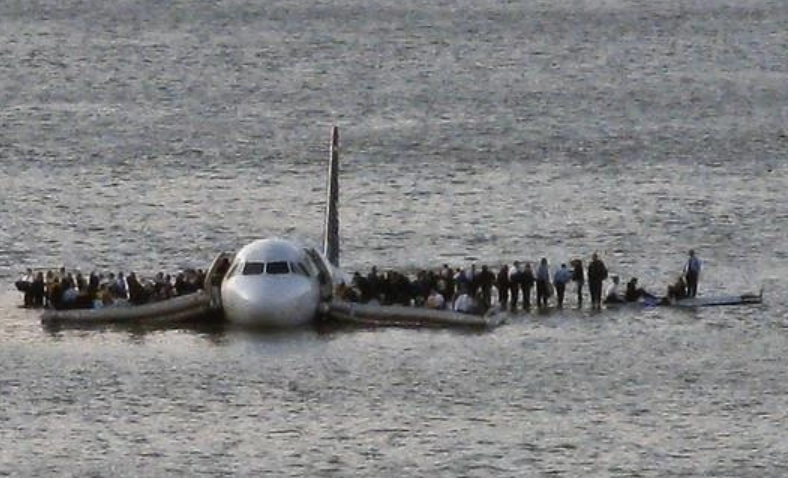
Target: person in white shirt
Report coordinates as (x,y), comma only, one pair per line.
(435,300)
(24,285)
(611,294)
(464,303)
(121,289)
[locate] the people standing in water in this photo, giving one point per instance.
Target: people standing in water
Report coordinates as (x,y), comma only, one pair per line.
(597,273)
(691,273)
(577,278)
(542,283)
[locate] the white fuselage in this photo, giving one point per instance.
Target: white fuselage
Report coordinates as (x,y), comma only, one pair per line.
(272,283)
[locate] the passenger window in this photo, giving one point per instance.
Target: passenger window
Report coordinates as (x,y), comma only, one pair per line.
(253,268)
(277,268)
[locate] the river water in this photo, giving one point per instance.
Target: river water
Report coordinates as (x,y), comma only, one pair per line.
(149,135)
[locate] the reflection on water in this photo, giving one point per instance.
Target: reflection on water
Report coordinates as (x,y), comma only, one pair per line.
(568,390)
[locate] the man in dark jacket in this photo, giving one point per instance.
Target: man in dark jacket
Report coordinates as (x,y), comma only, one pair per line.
(577,278)
(527,281)
(486,279)
(691,273)
(515,276)
(597,272)
(137,293)
(502,284)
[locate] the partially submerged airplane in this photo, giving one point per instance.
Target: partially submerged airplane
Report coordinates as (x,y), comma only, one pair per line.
(278,282)
(274,283)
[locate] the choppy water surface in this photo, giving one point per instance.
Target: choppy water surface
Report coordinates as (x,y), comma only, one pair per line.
(148,136)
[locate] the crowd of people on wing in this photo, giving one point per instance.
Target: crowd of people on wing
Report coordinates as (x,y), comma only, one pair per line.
(471,290)
(63,289)
(463,290)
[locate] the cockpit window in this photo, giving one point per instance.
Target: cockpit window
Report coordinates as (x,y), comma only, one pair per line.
(277,268)
(310,267)
(253,268)
(299,268)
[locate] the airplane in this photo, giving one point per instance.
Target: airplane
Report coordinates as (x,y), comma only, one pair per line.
(278,282)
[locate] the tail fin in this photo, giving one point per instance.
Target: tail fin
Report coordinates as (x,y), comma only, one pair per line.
(331,232)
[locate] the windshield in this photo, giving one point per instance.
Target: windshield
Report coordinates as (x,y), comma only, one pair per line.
(253,268)
(277,268)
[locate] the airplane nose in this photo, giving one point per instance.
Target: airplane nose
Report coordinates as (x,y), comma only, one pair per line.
(278,305)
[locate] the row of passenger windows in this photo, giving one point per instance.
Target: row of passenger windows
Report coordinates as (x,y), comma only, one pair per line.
(280,267)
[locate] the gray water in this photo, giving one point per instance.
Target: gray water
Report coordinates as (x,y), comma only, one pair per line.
(149,135)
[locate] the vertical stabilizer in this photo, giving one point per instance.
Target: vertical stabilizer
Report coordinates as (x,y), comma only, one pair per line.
(331,232)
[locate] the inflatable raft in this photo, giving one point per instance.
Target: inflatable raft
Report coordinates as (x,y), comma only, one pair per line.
(394,315)
(178,309)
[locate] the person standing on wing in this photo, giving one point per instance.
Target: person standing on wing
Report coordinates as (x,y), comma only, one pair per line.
(542,283)
(561,277)
(502,284)
(577,278)
(515,275)
(597,272)
(691,273)
(527,281)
